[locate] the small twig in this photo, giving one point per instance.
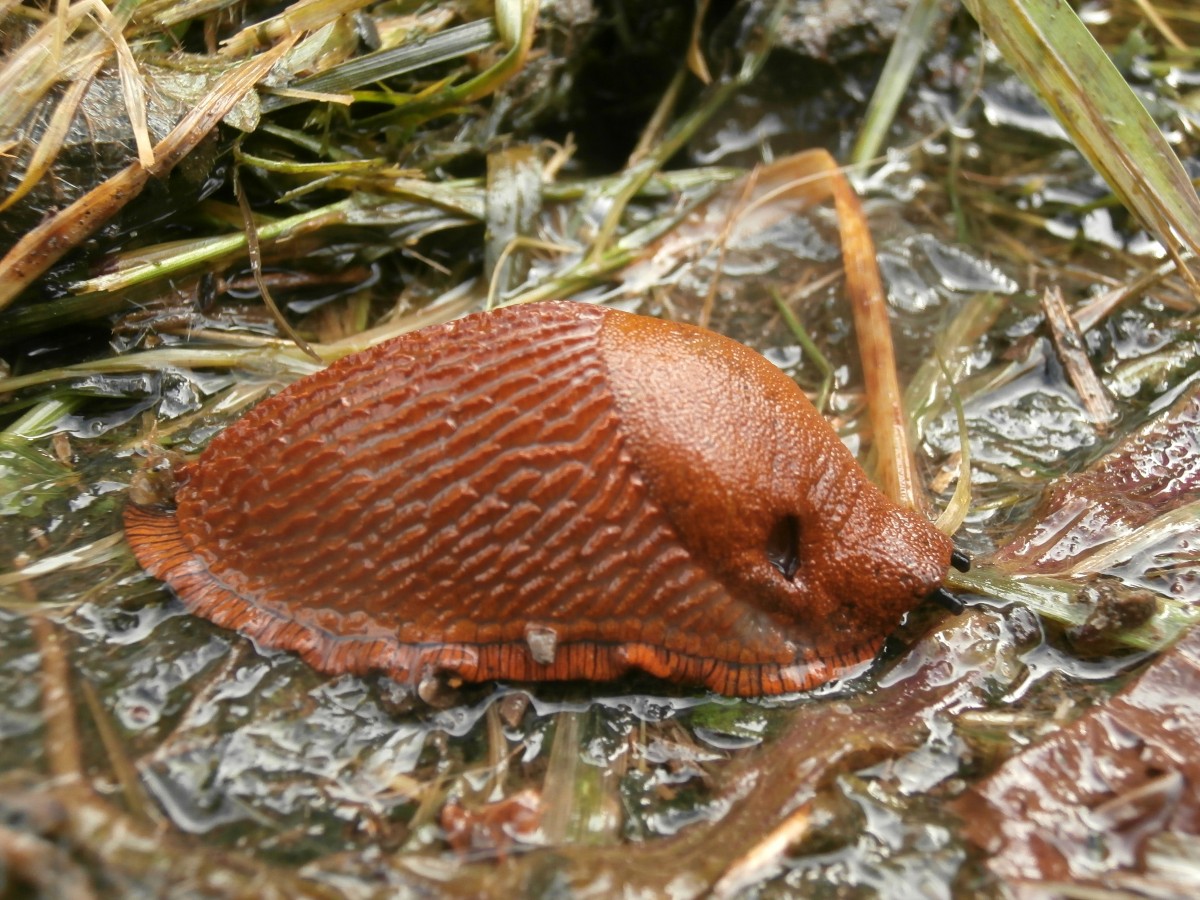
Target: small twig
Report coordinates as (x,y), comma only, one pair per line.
(955,513)
(63,751)
(141,808)
(1092,312)
(254,251)
(722,244)
(750,868)
(695,55)
(1072,353)
(510,248)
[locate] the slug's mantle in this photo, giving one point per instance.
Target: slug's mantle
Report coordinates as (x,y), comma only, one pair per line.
(553,491)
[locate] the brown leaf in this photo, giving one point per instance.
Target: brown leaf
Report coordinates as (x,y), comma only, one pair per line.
(1083,802)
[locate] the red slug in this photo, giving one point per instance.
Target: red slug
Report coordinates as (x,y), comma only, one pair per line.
(553,491)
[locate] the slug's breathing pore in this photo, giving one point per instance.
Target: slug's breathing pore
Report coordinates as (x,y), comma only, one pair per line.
(552,491)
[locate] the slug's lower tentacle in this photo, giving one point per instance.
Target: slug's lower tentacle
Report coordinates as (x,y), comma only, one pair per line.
(947,600)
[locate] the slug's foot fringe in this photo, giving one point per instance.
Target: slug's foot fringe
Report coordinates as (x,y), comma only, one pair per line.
(154,536)
(747,679)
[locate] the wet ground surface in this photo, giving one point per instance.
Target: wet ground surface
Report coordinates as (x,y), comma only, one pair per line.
(187,759)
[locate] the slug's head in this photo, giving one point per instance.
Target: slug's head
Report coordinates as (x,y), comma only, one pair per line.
(764,493)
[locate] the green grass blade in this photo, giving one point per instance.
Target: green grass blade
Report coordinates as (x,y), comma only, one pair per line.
(449,44)
(912,44)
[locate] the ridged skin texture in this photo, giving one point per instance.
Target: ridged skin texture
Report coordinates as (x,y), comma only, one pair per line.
(557,491)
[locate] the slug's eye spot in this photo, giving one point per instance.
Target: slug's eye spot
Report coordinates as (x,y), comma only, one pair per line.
(783,546)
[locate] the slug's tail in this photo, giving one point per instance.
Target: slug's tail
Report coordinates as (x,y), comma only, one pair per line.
(153,534)
(158,544)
